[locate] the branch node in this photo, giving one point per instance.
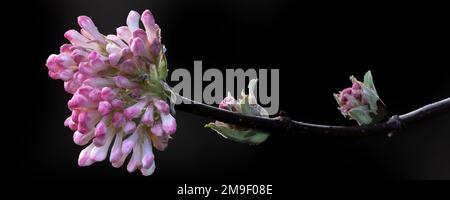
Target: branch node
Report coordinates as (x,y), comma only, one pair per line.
(286,123)
(396,123)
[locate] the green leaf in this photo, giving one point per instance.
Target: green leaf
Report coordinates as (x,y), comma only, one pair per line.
(361,115)
(248,136)
(162,68)
(368,81)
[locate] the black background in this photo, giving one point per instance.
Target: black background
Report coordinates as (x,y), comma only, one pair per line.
(315,46)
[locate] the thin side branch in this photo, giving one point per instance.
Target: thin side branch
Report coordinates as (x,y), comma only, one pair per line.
(283,124)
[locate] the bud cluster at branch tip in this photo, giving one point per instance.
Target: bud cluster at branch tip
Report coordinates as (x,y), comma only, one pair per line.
(247,105)
(361,102)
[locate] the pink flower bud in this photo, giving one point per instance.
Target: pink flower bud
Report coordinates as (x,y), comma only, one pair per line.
(77,39)
(99,153)
(130,142)
(147,19)
(162,106)
(126,53)
(124,33)
(87,121)
(123,82)
(135,161)
(133,20)
(74,115)
(169,123)
(147,117)
(53,75)
(346,91)
(128,67)
(71,124)
(71,86)
(104,108)
(138,48)
(79,55)
(82,139)
(114,58)
(79,101)
(99,82)
(227,102)
(157,129)
(65,48)
(161,142)
(117,104)
(97,62)
(65,60)
(112,48)
(139,33)
(129,127)
(51,64)
(149,171)
(356,86)
(116,40)
(135,110)
(83,158)
(101,127)
(120,162)
(116,150)
(86,68)
(87,35)
(109,94)
(118,119)
(147,157)
(87,24)
(95,95)
(85,90)
(66,75)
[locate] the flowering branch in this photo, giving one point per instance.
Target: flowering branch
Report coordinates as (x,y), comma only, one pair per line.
(120,98)
(284,124)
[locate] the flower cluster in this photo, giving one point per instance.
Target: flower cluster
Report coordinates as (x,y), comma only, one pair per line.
(117,82)
(361,101)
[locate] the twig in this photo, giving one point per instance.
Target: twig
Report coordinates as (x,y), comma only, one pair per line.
(283,124)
